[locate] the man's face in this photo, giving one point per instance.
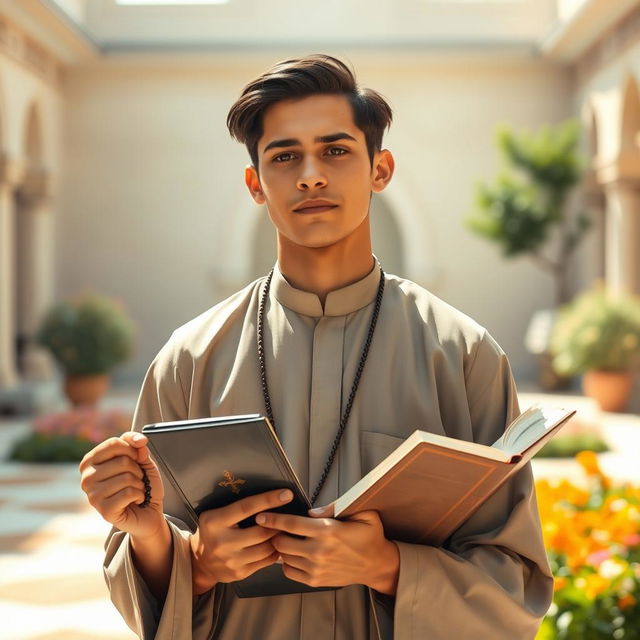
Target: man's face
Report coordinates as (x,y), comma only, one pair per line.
(311,149)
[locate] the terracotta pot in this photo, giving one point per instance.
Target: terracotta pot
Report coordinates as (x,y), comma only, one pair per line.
(86,390)
(611,389)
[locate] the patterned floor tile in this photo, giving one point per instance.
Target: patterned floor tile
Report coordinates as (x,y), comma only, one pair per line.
(73,588)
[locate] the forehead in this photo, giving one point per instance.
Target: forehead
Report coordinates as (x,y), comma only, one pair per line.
(306,118)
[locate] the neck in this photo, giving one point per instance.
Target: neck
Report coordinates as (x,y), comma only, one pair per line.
(324,269)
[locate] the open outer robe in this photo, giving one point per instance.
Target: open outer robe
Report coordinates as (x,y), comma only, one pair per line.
(429,367)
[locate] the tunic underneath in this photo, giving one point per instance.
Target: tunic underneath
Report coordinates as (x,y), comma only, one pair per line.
(429,367)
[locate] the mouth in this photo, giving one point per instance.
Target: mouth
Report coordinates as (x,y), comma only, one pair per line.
(316,209)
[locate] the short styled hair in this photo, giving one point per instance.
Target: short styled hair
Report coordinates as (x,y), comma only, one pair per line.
(299,78)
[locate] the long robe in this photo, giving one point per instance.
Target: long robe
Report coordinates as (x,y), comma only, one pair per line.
(430,367)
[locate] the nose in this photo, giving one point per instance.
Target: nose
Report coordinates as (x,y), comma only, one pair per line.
(311,177)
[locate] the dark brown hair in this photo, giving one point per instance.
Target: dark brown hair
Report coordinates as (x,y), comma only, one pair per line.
(298,78)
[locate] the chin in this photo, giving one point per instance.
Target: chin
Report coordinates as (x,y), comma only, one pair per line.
(319,241)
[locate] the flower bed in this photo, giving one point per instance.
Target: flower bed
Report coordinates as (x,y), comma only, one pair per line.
(69,435)
(592,536)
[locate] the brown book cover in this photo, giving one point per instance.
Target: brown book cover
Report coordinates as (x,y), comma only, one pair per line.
(431,484)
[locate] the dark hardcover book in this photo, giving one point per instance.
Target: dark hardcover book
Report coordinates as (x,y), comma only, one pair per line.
(203,460)
(211,462)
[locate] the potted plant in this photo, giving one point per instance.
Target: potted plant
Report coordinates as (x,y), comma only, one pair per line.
(88,336)
(598,335)
(527,214)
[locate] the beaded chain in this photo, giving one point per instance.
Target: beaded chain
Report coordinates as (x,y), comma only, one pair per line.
(354,388)
(147,490)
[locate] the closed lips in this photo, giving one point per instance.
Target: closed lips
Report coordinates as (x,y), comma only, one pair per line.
(312,205)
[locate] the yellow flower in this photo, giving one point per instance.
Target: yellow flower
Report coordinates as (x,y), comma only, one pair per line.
(595,585)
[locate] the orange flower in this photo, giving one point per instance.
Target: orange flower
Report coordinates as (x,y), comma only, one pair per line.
(559,583)
(626,601)
(589,462)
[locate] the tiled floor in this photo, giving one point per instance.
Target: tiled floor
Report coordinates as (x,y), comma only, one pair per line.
(51,540)
(51,549)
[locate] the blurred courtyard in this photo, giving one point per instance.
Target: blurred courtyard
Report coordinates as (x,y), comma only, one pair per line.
(118,177)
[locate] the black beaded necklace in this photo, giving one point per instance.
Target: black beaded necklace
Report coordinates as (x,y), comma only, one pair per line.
(354,388)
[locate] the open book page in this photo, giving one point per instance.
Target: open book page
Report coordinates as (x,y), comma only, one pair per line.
(528,428)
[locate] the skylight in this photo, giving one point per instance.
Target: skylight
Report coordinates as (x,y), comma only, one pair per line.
(170,2)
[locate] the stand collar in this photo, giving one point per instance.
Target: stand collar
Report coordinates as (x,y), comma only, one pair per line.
(339,302)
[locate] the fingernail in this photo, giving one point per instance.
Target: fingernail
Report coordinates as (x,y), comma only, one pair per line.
(286,495)
(317,511)
(261,518)
(137,437)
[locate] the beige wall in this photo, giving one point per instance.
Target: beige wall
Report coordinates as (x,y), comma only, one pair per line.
(154,209)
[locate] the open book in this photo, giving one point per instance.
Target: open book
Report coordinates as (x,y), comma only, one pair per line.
(423,491)
(431,484)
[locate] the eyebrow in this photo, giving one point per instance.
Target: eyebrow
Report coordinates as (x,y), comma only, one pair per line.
(292,142)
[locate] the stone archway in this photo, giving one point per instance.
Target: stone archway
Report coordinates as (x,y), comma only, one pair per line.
(34,260)
(630,118)
(622,188)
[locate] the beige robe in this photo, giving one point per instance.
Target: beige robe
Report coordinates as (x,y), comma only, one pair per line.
(430,367)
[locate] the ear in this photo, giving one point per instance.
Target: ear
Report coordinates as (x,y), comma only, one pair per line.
(382,171)
(252,181)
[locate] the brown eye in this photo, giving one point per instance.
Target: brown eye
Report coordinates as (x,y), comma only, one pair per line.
(278,158)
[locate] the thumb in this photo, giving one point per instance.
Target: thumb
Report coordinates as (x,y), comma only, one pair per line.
(139,442)
(322,512)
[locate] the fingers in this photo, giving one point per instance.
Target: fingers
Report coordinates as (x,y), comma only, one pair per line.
(251,536)
(297,525)
(249,506)
(261,564)
(106,450)
(257,552)
(113,467)
(111,508)
(111,486)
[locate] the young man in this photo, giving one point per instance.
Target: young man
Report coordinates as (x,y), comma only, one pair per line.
(296,344)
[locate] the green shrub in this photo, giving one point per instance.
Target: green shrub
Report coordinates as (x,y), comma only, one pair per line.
(88,335)
(597,330)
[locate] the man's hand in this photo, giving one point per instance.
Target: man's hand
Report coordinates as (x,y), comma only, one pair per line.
(111,476)
(223,552)
(335,553)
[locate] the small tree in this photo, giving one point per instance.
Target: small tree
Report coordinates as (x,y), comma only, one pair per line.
(520,212)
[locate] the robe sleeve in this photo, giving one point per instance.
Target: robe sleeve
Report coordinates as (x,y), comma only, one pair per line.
(491,580)
(181,615)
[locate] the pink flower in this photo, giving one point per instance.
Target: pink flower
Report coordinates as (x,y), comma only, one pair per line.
(598,557)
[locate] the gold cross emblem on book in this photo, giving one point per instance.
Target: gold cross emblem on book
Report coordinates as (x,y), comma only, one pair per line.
(230,481)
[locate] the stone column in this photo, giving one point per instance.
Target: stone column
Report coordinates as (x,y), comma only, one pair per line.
(35,259)
(622,236)
(10,174)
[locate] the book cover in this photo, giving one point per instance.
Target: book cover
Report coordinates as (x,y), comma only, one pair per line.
(211,462)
